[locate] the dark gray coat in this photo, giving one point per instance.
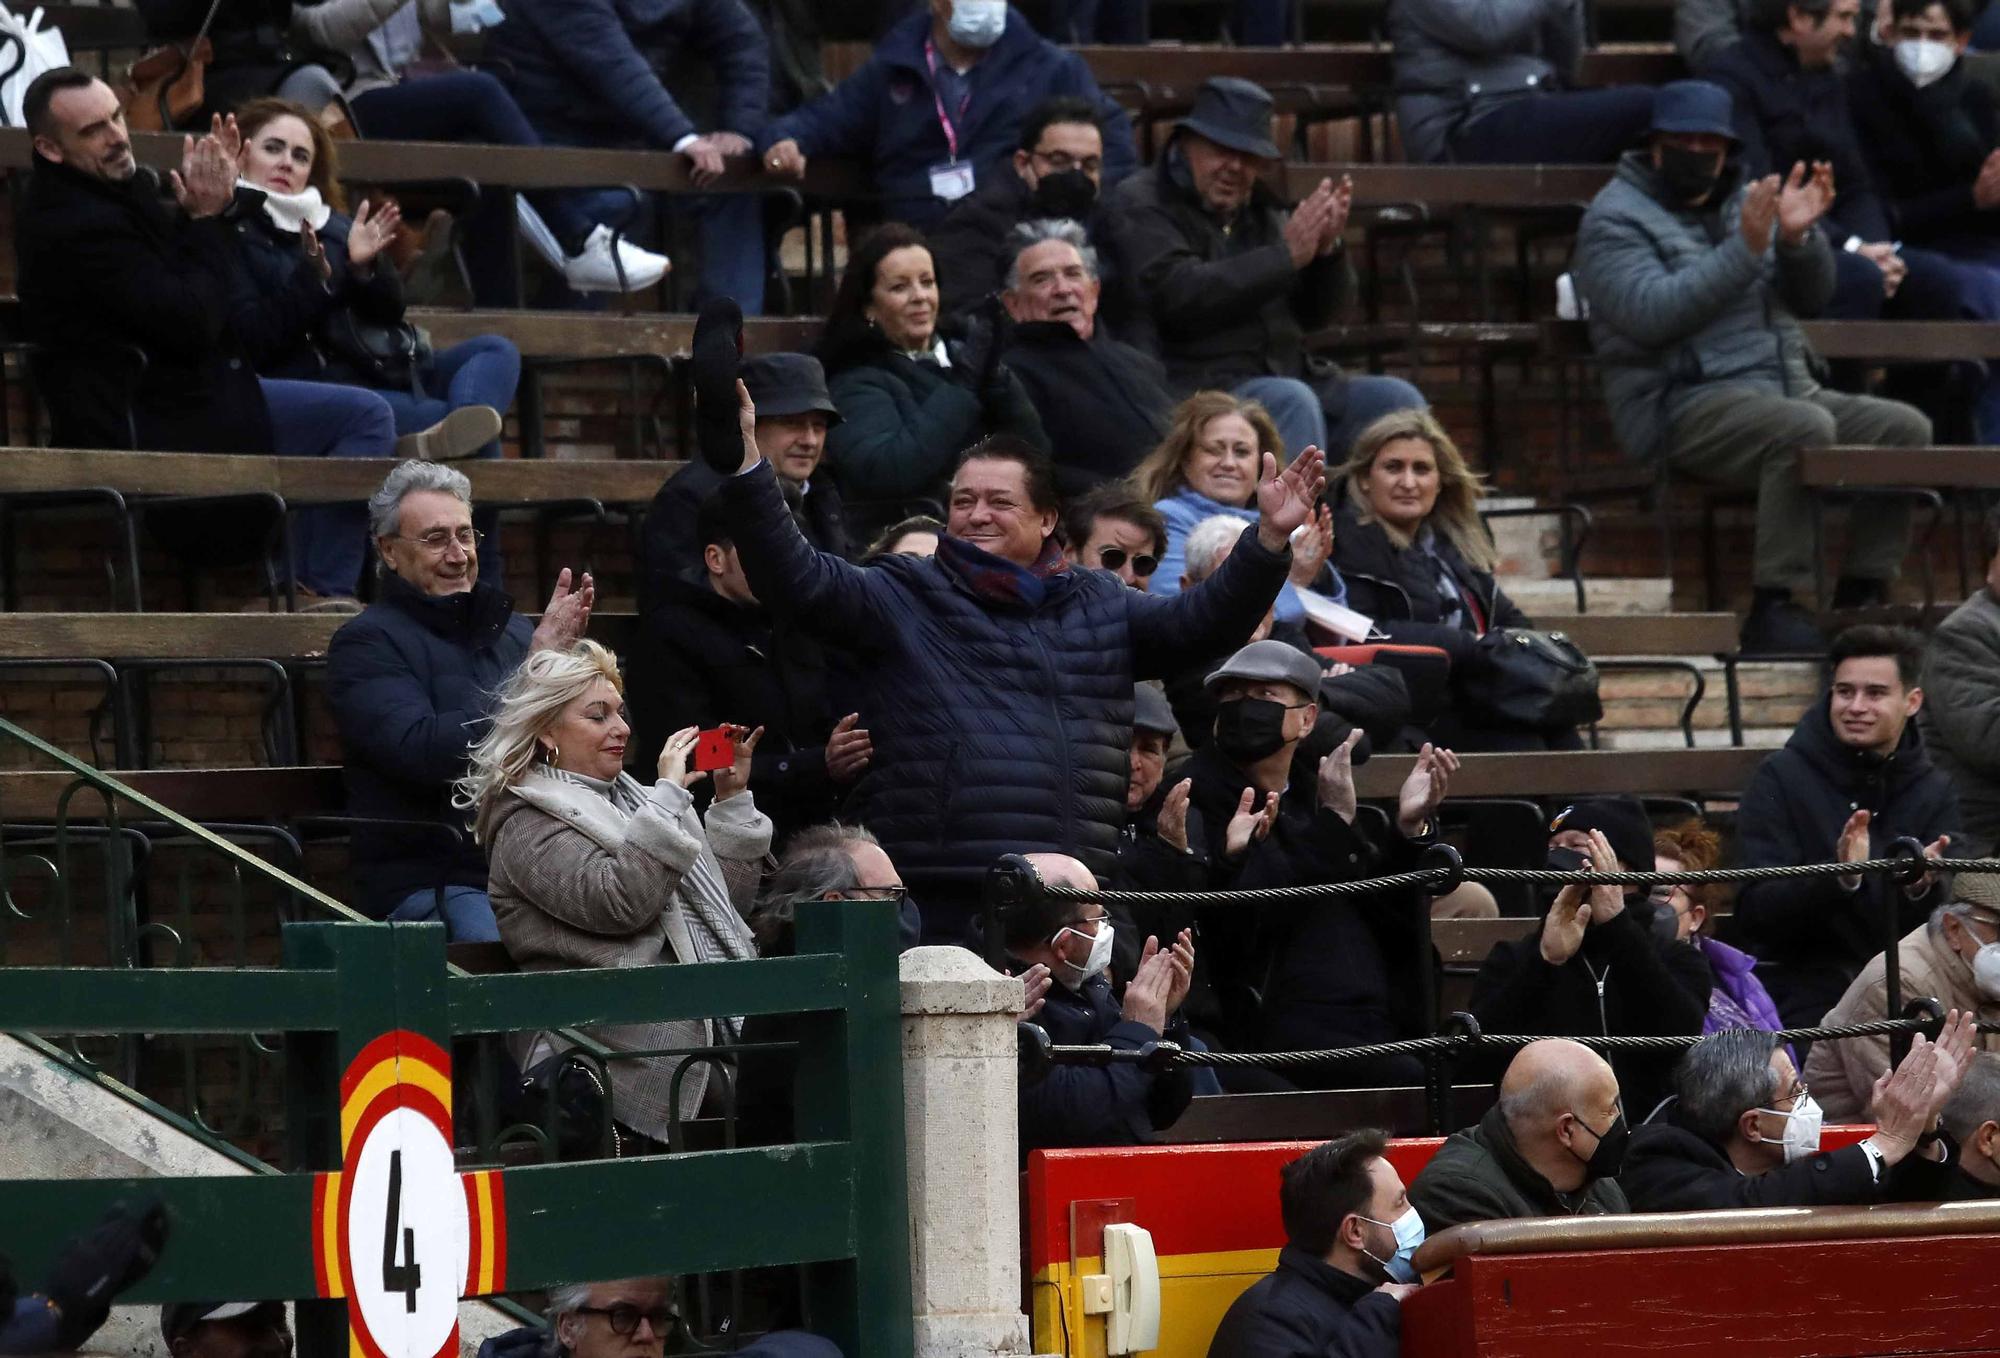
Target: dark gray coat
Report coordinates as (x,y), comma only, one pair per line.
(1478,1175)
(1455,58)
(1960,717)
(1678,302)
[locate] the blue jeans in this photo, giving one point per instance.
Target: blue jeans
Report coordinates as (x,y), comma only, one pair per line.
(1572,127)
(1261,23)
(1302,420)
(473,106)
(320,419)
(468,913)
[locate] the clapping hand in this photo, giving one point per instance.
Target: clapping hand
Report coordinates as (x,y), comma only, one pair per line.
(1933,851)
(1424,789)
(567,614)
(1248,825)
(1336,779)
(1289,498)
(1160,983)
(371,233)
(1306,229)
(1905,1101)
(315,252)
(848,749)
(1852,847)
(1312,544)
(1986,188)
(1803,199)
(735,778)
(1035,980)
(205,184)
(1336,221)
(1575,910)
(1172,825)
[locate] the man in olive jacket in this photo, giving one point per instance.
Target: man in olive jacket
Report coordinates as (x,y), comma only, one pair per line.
(1552,1146)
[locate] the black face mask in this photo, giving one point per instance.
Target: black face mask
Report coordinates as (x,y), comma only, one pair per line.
(1659,918)
(1609,1157)
(1566,860)
(1248,729)
(1066,193)
(1690,176)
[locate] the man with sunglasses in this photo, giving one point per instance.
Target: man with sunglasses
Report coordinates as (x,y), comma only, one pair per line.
(411,682)
(1743,1130)
(628,1318)
(1105,403)
(1113,529)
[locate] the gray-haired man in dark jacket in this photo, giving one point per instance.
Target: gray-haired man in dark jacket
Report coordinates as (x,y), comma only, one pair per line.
(1693,310)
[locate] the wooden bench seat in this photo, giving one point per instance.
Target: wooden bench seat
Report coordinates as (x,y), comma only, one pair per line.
(199,636)
(1940,468)
(1581,773)
(198,794)
(1602,635)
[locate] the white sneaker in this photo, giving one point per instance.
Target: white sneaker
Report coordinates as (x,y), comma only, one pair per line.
(595,270)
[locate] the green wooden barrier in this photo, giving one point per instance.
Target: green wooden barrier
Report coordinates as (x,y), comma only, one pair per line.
(378,1235)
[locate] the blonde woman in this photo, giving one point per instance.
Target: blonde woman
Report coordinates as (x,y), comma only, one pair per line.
(1208,464)
(588,868)
(1417,558)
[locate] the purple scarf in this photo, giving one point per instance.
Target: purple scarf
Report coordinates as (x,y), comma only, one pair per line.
(999,582)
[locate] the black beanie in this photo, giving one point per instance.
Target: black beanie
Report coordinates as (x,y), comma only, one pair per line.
(1623,821)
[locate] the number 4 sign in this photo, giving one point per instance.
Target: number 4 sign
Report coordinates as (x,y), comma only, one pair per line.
(398,1231)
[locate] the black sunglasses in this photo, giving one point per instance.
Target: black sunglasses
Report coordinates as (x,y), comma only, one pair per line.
(1111,558)
(624,1318)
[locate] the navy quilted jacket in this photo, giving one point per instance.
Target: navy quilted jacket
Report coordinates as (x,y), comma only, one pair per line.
(996,730)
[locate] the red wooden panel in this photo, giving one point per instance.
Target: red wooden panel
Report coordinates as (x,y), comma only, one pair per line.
(1923,1295)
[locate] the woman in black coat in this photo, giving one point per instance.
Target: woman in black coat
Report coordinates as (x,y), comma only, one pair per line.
(1416,558)
(910,401)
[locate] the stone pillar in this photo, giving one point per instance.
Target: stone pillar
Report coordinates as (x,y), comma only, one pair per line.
(959,1105)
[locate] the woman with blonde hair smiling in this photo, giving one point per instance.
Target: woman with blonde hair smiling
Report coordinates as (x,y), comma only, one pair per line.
(1417,559)
(590,869)
(1208,464)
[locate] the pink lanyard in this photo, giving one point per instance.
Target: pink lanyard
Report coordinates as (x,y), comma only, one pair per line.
(944,119)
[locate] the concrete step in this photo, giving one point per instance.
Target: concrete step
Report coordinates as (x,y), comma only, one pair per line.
(1640,707)
(1545,599)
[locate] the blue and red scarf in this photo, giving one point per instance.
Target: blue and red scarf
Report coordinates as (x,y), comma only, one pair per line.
(1000,582)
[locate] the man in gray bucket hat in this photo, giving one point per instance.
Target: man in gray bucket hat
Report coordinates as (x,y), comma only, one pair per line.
(1228,281)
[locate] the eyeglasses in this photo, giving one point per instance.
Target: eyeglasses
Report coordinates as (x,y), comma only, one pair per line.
(624,1318)
(1060,161)
(878,893)
(1795,1098)
(1111,558)
(439,541)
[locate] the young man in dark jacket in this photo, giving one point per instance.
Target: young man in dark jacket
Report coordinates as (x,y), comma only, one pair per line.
(1551,1147)
(794,413)
(1337,972)
(709,653)
(1104,403)
(1743,1131)
(938,108)
(1603,963)
(411,684)
(591,73)
(1055,175)
(1852,779)
(1112,1105)
(1225,283)
(997,688)
(1345,1268)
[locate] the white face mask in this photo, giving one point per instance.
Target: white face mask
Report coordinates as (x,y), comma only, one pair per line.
(1409,1232)
(1100,954)
(977,23)
(1802,1126)
(1986,971)
(1924,60)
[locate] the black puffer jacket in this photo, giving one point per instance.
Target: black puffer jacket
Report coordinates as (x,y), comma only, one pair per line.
(998,727)
(278,303)
(1310,1309)
(1812,936)
(411,683)
(701,660)
(1398,586)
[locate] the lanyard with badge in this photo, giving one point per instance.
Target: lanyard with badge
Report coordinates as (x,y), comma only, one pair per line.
(951,180)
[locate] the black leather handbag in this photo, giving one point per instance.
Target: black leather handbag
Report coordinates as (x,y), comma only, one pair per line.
(392,357)
(1523,677)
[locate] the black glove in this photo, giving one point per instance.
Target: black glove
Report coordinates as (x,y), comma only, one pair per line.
(717,353)
(977,362)
(98,1265)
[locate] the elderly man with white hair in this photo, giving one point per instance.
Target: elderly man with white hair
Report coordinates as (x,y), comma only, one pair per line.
(411,683)
(1972,1119)
(627,1318)
(1104,402)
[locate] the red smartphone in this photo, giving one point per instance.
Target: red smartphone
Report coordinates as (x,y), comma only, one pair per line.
(715,749)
